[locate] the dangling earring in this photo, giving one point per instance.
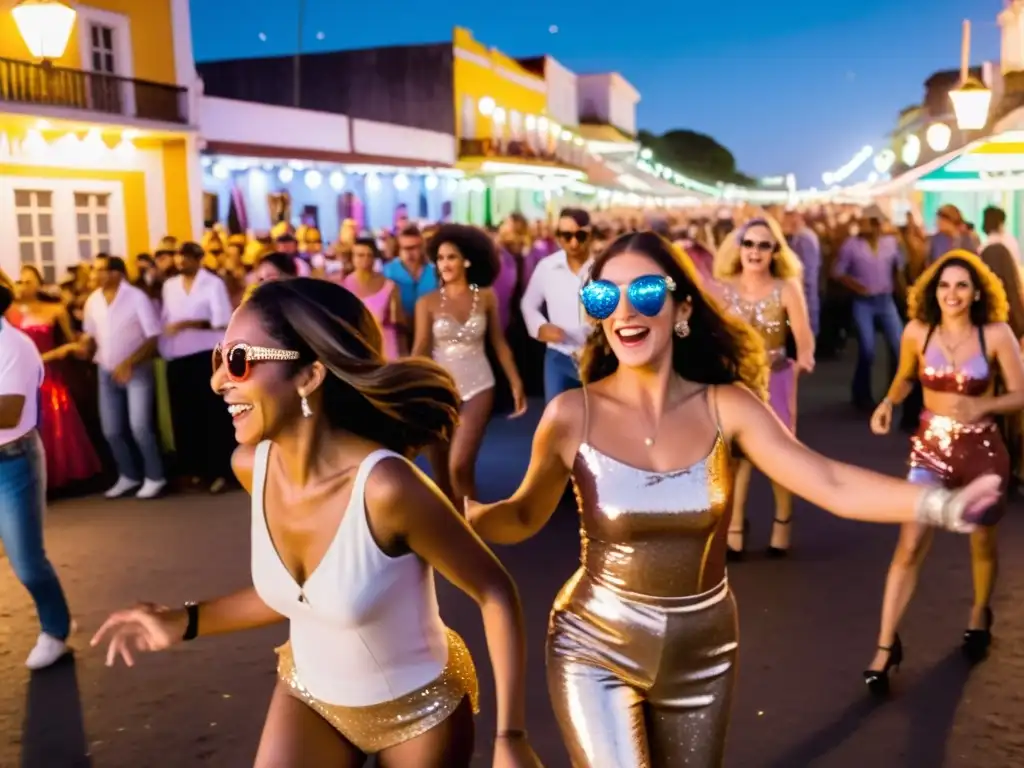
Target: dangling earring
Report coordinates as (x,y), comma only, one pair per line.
(304,404)
(467,263)
(977,296)
(682,328)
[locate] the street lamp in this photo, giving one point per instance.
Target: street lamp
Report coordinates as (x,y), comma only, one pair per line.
(972,100)
(45,26)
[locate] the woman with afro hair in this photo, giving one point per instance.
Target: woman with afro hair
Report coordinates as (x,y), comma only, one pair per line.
(955,344)
(453,325)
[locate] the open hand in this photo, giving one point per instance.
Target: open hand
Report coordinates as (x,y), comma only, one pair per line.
(144,628)
(977,497)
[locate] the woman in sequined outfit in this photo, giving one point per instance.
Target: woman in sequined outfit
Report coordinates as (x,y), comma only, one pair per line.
(759,281)
(453,324)
(642,642)
(346,534)
(955,343)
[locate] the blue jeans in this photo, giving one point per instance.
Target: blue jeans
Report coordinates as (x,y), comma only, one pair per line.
(127,413)
(560,374)
(871,313)
(22,507)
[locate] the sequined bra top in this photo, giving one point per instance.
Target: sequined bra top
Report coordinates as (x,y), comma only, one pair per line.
(767,316)
(972,377)
(459,347)
(650,532)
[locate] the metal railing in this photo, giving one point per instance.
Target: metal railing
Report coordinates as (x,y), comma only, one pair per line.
(44,85)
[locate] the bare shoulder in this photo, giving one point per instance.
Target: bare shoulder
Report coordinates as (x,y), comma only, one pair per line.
(243,461)
(916,331)
(792,286)
(397,496)
(428,301)
(736,405)
(999,333)
(566,412)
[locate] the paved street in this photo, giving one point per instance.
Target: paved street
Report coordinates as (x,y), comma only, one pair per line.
(808,627)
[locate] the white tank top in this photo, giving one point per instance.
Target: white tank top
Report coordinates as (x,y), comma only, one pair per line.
(365,627)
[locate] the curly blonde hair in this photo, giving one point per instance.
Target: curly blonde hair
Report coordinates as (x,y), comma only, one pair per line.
(719,349)
(991,307)
(785,263)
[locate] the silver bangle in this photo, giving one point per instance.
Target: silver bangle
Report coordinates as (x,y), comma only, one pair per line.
(941,508)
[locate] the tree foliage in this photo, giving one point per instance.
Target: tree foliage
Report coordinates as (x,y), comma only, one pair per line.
(696,155)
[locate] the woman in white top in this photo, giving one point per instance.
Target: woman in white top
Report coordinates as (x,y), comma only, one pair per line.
(346,533)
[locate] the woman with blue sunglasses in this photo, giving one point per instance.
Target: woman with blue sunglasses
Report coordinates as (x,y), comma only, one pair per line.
(642,641)
(759,281)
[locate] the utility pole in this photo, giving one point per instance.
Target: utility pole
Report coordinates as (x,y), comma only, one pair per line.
(297,68)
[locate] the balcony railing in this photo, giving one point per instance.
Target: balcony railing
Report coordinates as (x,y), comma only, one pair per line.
(520,150)
(44,85)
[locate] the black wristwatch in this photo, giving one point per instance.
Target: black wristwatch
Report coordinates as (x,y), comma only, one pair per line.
(192,628)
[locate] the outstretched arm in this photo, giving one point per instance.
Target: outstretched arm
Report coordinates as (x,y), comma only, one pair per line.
(842,489)
(527,511)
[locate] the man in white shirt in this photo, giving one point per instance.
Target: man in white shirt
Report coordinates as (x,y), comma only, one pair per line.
(23,488)
(122,329)
(196,310)
(555,287)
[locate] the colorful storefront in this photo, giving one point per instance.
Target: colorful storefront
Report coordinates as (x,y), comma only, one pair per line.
(516,157)
(98,149)
(257,174)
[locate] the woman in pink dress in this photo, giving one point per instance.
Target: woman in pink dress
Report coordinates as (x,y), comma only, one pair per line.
(70,455)
(377,292)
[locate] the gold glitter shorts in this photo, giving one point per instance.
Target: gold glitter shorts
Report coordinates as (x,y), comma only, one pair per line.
(377,727)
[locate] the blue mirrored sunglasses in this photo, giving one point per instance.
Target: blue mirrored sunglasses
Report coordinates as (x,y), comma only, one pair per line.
(647,294)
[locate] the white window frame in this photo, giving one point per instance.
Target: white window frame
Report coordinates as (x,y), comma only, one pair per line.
(38,239)
(65,221)
(93,236)
(124,64)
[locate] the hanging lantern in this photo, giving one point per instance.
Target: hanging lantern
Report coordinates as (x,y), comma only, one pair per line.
(45,26)
(971,103)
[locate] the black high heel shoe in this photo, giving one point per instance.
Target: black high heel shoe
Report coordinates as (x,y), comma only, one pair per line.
(777,553)
(736,555)
(977,641)
(877,680)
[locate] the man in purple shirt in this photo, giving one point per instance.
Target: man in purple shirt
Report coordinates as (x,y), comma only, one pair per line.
(867,264)
(805,244)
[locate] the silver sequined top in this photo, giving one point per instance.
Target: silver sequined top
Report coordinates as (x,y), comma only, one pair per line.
(459,347)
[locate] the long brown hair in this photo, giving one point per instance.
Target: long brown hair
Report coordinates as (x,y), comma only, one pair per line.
(991,307)
(719,349)
(404,405)
(998,258)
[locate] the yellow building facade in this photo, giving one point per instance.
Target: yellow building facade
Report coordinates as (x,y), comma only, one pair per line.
(509,148)
(98,145)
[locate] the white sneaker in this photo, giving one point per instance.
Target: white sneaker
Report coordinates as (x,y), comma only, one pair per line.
(48,651)
(151,489)
(121,487)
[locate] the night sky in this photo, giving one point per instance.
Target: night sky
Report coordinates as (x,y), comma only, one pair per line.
(799,89)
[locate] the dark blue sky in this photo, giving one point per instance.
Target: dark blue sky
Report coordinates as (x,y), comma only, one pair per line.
(794,85)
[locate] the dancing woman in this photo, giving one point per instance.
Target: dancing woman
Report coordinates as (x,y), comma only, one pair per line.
(956,342)
(760,282)
(642,641)
(379,294)
(346,533)
(452,325)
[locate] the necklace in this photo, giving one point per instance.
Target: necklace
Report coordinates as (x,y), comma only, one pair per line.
(952,348)
(649,441)
(461,333)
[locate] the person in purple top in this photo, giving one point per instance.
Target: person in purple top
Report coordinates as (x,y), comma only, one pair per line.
(867,264)
(806,245)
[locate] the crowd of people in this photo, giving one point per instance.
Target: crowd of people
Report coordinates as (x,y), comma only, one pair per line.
(668,351)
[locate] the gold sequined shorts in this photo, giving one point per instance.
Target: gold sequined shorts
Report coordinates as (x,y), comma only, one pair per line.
(377,727)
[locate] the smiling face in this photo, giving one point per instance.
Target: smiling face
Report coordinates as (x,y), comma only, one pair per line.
(757,249)
(639,341)
(955,291)
(451,266)
(27,287)
(267,399)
